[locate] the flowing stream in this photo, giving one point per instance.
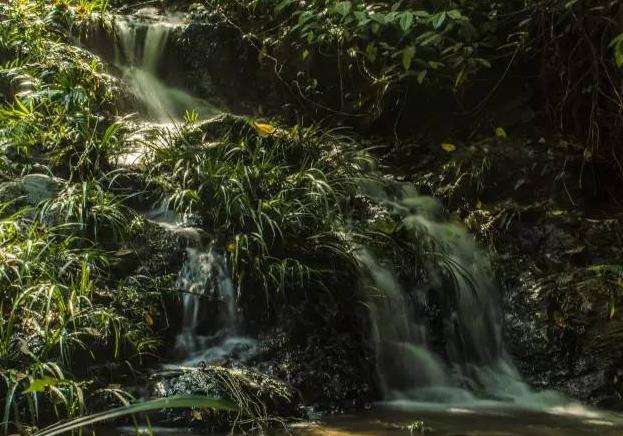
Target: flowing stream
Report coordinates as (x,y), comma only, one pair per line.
(204,280)
(469,375)
(140,56)
(210,317)
(471,371)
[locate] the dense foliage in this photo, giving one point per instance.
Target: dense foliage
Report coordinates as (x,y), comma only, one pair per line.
(362,57)
(396,62)
(284,204)
(274,197)
(579,55)
(61,309)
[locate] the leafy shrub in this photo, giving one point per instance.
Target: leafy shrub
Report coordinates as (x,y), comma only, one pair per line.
(577,48)
(60,310)
(364,54)
(274,197)
(56,313)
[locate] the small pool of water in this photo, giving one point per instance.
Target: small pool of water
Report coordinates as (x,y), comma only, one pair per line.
(456,421)
(453,421)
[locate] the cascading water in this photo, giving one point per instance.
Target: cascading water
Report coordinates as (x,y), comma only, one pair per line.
(204,277)
(471,368)
(467,367)
(210,316)
(140,51)
(204,280)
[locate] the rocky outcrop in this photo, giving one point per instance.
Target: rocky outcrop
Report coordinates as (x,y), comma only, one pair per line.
(258,398)
(32,189)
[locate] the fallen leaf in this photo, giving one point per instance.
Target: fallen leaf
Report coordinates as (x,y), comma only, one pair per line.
(264,129)
(447,147)
(500,133)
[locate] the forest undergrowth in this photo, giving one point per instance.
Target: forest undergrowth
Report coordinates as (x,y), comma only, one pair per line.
(284,201)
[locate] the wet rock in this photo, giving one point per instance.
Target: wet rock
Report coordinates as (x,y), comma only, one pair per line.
(32,189)
(258,398)
(217,55)
(153,249)
(332,371)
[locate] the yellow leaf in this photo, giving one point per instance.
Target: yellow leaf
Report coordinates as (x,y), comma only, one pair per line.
(264,129)
(196,415)
(501,133)
(447,147)
(148,319)
(231,247)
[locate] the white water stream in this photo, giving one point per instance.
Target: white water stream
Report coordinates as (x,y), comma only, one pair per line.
(140,54)
(210,317)
(471,373)
(204,280)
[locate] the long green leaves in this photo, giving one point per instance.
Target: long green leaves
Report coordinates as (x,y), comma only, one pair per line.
(177,402)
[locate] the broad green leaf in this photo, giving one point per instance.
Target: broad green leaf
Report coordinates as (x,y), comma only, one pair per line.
(407,57)
(406,21)
(455,14)
(617,43)
(439,19)
(391,17)
(379,17)
(361,17)
(618,55)
(343,8)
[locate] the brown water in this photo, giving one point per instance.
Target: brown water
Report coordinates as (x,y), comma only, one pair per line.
(453,421)
(460,422)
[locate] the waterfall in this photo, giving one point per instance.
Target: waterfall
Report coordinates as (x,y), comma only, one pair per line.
(206,286)
(210,323)
(471,366)
(467,366)
(140,53)
(204,275)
